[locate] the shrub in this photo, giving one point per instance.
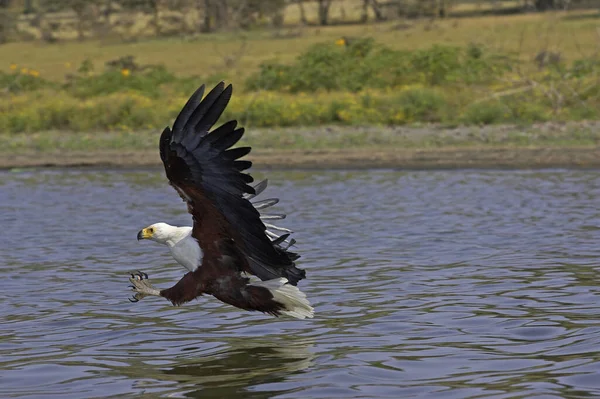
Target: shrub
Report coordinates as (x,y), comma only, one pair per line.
(363,64)
(486,113)
(22,79)
(146,81)
(51,110)
(422,105)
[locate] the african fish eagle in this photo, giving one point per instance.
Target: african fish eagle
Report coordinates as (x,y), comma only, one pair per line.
(229,242)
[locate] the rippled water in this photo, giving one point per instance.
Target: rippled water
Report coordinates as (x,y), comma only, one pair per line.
(451,284)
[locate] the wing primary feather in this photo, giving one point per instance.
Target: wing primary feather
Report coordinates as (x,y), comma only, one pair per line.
(258,188)
(278,216)
(280,239)
(271,234)
(203,108)
(215,111)
(265,203)
(242,165)
(225,129)
(164,142)
(271,226)
(236,153)
(247,179)
(188,110)
(227,140)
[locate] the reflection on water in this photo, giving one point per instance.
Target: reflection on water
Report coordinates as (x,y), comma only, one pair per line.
(227,372)
(426,284)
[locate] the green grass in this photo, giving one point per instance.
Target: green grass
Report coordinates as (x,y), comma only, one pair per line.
(321,138)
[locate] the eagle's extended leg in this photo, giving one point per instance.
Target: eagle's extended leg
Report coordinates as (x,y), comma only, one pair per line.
(188,288)
(141,286)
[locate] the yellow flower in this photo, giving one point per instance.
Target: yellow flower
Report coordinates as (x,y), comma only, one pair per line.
(35,73)
(125,72)
(24,71)
(67,64)
(340,42)
(13,67)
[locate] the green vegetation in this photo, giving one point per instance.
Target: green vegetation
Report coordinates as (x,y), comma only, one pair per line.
(348,82)
(361,64)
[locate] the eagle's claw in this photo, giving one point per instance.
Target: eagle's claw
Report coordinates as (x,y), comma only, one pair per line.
(141,286)
(139,275)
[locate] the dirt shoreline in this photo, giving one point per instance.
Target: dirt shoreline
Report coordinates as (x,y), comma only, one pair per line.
(436,158)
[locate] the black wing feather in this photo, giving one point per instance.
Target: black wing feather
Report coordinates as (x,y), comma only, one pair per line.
(236,153)
(242,165)
(188,110)
(227,140)
(205,111)
(222,131)
(215,111)
(260,187)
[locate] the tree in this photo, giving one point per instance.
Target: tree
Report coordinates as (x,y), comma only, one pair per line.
(543,5)
(376,10)
(28,7)
(300,4)
(222,14)
(324,6)
(257,10)
(215,14)
(146,6)
(7,21)
(79,7)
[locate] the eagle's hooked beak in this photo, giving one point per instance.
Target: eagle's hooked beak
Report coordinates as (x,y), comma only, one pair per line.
(143,234)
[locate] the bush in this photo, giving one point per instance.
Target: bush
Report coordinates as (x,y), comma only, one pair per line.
(528,111)
(422,105)
(486,113)
(132,111)
(51,110)
(362,64)
(22,79)
(145,80)
(125,75)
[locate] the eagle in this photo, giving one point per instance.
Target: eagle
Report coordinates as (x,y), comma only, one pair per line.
(229,252)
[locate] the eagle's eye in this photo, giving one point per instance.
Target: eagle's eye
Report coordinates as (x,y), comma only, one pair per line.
(151,230)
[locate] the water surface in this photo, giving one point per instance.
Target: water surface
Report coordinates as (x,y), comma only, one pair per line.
(458,284)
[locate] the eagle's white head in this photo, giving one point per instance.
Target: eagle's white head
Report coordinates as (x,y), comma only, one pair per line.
(183,246)
(161,232)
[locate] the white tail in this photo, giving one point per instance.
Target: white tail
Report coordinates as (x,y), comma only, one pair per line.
(291,297)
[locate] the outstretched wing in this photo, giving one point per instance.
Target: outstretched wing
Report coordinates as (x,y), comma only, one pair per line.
(210,177)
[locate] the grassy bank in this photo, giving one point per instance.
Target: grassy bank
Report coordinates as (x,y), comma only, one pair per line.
(546,135)
(507,146)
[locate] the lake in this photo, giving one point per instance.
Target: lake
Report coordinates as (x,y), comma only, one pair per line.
(449,284)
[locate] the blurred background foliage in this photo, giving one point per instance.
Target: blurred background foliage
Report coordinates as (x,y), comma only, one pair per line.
(130,64)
